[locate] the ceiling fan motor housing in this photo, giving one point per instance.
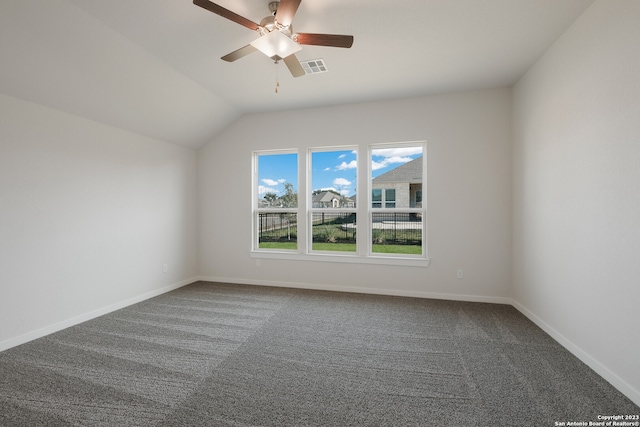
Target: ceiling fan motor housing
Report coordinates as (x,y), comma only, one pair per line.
(269,22)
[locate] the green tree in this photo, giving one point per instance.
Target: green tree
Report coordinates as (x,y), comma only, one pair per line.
(290,197)
(271,198)
(289,200)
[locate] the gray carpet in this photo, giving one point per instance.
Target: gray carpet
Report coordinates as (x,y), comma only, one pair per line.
(213,354)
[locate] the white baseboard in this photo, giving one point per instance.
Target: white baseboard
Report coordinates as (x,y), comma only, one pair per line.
(624,387)
(360,290)
(39,333)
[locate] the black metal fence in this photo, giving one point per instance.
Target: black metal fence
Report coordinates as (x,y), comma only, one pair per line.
(277,227)
(386,228)
(396,228)
(334,227)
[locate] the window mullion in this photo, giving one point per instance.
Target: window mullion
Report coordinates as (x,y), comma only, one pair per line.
(364,204)
(303,176)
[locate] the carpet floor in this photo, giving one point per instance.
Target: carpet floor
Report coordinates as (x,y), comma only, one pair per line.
(212,354)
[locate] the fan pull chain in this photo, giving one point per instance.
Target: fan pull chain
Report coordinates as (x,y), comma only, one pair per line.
(277,72)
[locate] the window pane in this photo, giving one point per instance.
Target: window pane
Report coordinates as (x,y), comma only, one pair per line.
(277,230)
(397,233)
(396,177)
(397,171)
(333,179)
(376,198)
(277,181)
(277,188)
(334,232)
(390,198)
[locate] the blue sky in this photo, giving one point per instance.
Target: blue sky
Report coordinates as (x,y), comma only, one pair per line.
(335,170)
(274,170)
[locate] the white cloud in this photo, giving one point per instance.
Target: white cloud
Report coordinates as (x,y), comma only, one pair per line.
(397,159)
(341,182)
(273,182)
(397,152)
(377,165)
(388,161)
(264,190)
(344,165)
(327,169)
(344,192)
(342,156)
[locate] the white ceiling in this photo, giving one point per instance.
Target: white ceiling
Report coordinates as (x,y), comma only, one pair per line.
(153,66)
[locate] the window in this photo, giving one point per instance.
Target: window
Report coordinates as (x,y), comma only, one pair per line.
(333,174)
(396,174)
(384,223)
(376,198)
(390,198)
(276,207)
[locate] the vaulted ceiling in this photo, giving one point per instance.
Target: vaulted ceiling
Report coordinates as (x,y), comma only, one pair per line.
(153,66)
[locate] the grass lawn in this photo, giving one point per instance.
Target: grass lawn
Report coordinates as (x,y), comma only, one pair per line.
(397,249)
(346,247)
(338,247)
(278,245)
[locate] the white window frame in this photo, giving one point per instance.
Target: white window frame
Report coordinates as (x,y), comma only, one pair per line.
(371,211)
(363,211)
(257,210)
(311,210)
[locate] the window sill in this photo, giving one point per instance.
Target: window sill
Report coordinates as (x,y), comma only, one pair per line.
(342,257)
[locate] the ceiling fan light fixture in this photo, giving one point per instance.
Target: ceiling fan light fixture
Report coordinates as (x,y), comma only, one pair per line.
(276,44)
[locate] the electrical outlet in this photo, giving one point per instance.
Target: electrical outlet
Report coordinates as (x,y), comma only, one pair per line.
(165,268)
(460,273)
(257,262)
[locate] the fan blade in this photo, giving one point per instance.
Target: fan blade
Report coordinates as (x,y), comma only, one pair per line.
(237,54)
(286,10)
(294,66)
(225,13)
(333,40)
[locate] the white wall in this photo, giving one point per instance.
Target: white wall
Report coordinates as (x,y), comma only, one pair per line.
(88,216)
(89,213)
(576,161)
(468,194)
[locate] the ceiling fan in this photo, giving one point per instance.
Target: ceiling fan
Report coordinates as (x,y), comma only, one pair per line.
(277,39)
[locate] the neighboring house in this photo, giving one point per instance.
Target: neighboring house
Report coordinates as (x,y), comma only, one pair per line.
(329,199)
(400,187)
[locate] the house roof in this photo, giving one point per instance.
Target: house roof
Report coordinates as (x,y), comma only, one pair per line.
(410,172)
(325,197)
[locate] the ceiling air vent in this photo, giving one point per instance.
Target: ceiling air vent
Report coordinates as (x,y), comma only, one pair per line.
(314,66)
